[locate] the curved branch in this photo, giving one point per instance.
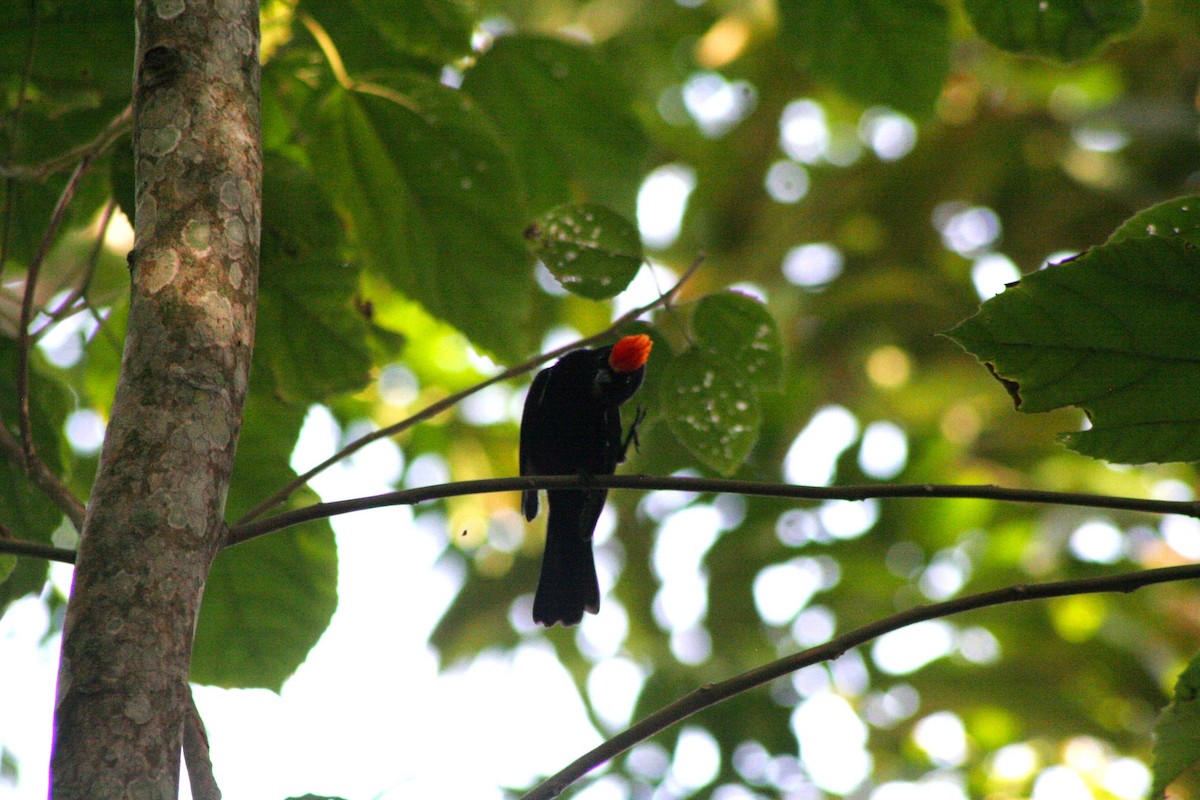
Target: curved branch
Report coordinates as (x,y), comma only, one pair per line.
(452,400)
(714,693)
(248,530)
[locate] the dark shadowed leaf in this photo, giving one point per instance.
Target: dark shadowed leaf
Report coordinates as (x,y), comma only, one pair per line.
(894,52)
(567,118)
(1177,733)
(1065,30)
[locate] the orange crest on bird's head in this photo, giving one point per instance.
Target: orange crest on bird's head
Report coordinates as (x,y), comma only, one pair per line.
(630,353)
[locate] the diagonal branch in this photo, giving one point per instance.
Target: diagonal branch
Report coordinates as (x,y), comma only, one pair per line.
(121,124)
(450,401)
(41,476)
(711,694)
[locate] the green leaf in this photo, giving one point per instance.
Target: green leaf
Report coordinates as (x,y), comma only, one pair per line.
(477,619)
(1179,217)
(1177,734)
(1113,332)
(711,407)
(568,119)
(373,38)
(592,250)
(894,52)
(432,204)
(740,328)
(1065,30)
(308,335)
(266,603)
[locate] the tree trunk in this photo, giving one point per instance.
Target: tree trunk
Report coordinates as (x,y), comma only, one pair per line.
(154,520)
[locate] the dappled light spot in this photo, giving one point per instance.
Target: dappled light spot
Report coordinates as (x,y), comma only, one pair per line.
(884,450)
(907,650)
(832,740)
(786,181)
(803,131)
(812,457)
(697,758)
(661,203)
(992,273)
(613,686)
(812,266)
(890,134)
(715,104)
(943,738)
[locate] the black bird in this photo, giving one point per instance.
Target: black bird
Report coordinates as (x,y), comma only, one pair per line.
(572,426)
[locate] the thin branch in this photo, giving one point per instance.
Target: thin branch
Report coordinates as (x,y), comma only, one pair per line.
(711,694)
(41,476)
(46,552)
(450,401)
(119,125)
(196,754)
(31,277)
(248,530)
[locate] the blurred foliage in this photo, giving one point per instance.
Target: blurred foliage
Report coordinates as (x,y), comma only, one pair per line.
(868,170)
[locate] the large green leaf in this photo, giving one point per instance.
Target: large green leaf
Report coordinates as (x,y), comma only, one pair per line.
(432,203)
(266,604)
(894,52)
(1062,29)
(1177,217)
(308,334)
(567,118)
(592,250)
(1113,332)
(267,601)
(377,37)
(743,330)
(711,407)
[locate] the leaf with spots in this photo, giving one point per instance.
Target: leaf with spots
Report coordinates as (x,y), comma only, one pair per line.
(1115,332)
(739,327)
(592,250)
(711,407)
(1178,217)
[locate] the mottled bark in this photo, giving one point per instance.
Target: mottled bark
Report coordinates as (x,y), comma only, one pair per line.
(154,517)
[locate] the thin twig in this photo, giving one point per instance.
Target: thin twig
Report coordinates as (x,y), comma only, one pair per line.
(31,277)
(196,754)
(711,694)
(244,531)
(448,402)
(65,308)
(119,125)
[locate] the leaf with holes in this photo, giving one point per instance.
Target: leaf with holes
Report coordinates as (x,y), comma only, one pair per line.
(1115,332)
(711,407)
(593,251)
(739,327)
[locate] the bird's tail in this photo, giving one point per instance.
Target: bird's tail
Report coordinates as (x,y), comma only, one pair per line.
(568,584)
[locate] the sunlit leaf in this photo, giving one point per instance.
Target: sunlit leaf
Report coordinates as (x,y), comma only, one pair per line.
(740,328)
(591,250)
(266,603)
(1113,332)
(711,407)
(1062,29)
(432,203)
(567,117)
(894,52)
